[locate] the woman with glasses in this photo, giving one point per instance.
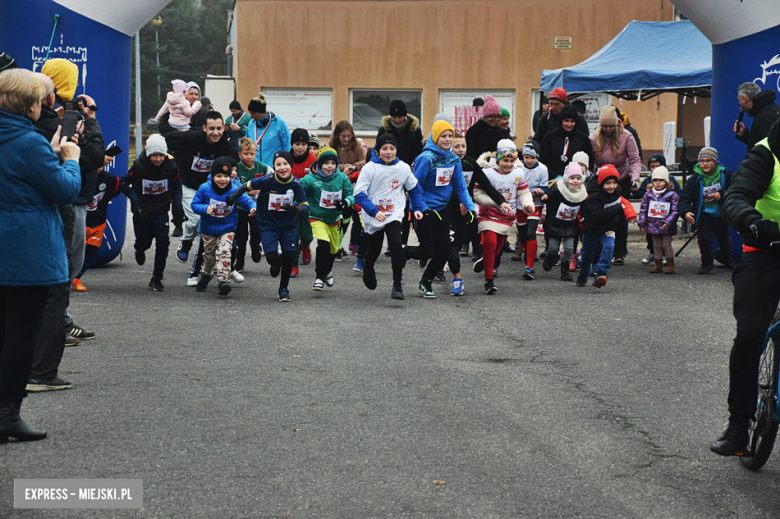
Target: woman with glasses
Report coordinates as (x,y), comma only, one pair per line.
(613,145)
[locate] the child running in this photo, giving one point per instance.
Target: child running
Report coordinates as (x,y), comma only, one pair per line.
(302,162)
(218,223)
(249,168)
(156,182)
(601,214)
(277,216)
(331,192)
(562,224)
(536,176)
(658,217)
(494,221)
(380,192)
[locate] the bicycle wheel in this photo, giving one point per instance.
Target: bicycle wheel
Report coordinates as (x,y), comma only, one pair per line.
(763,430)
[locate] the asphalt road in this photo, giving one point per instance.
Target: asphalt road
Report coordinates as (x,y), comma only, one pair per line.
(543,401)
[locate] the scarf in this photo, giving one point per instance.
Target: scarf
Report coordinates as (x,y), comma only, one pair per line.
(660,193)
(322,175)
(299,159)
(570,195)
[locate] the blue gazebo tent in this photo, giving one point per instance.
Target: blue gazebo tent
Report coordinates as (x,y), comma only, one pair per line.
(644,60)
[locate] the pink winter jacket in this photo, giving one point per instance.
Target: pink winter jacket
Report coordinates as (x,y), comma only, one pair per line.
(627,161)
(180,109)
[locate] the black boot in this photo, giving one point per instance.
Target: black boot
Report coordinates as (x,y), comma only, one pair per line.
(12,425)
(397,292)
(733,441)
(565,275)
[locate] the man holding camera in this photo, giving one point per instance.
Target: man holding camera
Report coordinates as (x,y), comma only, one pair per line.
(761,107)
(57,324)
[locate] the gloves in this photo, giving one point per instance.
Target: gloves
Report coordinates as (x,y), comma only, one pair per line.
(765,230)
(471,217)
(341,204)
(178,214)
(140,213)
(290,208)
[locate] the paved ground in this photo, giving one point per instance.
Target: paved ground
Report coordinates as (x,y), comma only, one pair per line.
(543,401)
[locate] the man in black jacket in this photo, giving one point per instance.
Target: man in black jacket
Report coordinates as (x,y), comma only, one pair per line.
(198,150)
(406,129)
(752,207)
(551,120)
(761,107)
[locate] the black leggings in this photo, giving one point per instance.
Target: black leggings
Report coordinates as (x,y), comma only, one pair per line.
(323,263)
(433,232)
(286,260)
(394,233)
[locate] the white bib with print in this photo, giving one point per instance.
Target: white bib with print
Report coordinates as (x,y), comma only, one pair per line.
(656,209)
(221,209)
(276,201)
(567,213)
(444,176)
(328,199)
(467,176)
(202,165)
(385,205)
(710,191)
(95,200)
(154,187)
(616,202)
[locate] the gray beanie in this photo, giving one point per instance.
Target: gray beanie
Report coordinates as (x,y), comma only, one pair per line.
(709,152)
(442,117)
(156,144)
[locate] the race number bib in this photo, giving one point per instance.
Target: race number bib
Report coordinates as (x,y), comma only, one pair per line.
(202,165)
(92,206)
(328,199)
(467,176)
(154,187)
(567,213)
(444,176)
(710,191)
(385,205)
(657,209)
(276,201)
(537,200)
(612,204)
(221,209)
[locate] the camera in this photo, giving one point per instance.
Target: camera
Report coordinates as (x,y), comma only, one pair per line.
(74,104)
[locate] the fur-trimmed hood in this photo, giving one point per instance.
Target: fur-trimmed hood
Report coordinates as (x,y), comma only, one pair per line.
(412,123)
(488,160)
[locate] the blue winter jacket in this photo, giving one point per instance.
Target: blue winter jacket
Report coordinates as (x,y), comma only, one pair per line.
(277,138)
(225,218)
(33,184)
(426,167)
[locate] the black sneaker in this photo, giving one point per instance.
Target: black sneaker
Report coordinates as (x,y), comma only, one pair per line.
(508,248)
(397,292)
(257,255)
(464,251)
(733,441)
(183,251)
(705,269)
(490,287)
(74,330)
(284,295)
(478,265)
(156,284)
(440,276)
(224,288)
(203,283)
(476,256)
(71,341)
(369,278)
(340,255)
(547,264)
(388,253)
(140,257)
(177,231)
(57,383)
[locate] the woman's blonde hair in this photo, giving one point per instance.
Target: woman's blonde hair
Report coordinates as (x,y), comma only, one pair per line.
(20,90)
(601,140)
(341,127)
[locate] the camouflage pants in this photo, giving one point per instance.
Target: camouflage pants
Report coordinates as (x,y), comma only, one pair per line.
(216,251)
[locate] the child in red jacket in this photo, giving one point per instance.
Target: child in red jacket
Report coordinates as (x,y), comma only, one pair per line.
(302,161)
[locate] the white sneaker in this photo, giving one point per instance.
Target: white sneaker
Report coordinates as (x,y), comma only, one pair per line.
(191,282)
(318,284)
(329,279)
(237,276)
(647,259)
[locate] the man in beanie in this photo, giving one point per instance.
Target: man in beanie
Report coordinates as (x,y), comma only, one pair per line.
(761,107)
(752,207)
(236,123)
(64,77)
(406,130)
(551,120)
(268,130)
(700,205)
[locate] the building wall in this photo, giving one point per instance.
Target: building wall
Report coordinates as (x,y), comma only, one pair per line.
(432,45)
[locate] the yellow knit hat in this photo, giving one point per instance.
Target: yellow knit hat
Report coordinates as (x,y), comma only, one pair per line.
(65,76)
(440,127)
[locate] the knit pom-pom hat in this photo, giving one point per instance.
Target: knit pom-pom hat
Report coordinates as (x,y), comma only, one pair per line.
(491,107)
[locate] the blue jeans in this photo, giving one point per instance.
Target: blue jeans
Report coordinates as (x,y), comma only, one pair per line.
(589,244)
